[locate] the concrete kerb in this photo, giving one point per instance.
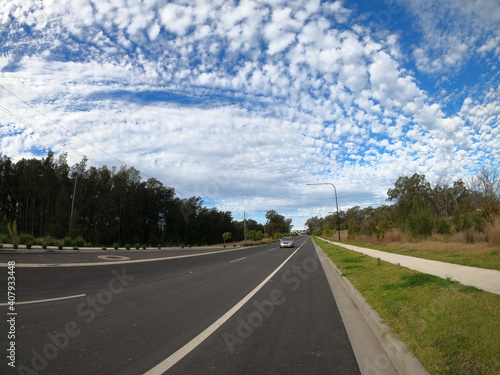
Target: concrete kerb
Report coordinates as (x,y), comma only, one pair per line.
(403,360)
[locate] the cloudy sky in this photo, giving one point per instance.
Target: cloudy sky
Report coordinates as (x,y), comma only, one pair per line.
(244,102)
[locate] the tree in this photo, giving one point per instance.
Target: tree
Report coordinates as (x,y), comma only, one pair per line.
(487,181)
(314,224)
(226,236)
(409,193)
(277,223)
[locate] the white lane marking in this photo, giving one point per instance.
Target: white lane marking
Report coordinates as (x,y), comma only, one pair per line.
(190,346)
(46,300)
(112,257)
(236,260)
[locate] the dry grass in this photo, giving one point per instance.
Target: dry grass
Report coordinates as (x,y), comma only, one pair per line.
(493,231)
(470,249)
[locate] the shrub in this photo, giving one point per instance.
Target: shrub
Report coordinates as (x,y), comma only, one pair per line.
(420,223)
(328,232)
(127,246)
(383,227)
(78,242)
(493,231)
(443,226)
(352,229)
(27,239)
(115,245)
(137,246)
(67,242)
(318,233)
(255,235)
(48,241)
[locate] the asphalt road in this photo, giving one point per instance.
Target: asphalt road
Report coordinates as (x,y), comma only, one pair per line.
(171,316)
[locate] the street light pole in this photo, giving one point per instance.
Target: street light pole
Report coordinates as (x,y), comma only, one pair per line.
(336,202)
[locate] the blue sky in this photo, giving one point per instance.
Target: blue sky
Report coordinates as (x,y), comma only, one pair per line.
(245,102)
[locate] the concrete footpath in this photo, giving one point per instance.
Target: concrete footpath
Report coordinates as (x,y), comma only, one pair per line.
(485,279)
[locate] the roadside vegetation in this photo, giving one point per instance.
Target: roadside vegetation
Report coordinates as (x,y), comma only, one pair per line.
(449,327)
(47,202)
(456,223)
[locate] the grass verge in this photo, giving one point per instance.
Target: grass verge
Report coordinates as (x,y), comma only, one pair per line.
(449,327)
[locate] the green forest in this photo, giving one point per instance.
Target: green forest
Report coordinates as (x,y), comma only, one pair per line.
(48,198)
(421,209)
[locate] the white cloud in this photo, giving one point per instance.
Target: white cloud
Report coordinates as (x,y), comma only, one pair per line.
(252,93)
(467,26)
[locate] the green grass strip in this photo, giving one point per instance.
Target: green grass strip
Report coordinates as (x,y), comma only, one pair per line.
(449,327)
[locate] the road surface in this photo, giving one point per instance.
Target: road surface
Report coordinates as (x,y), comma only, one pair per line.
(257,310)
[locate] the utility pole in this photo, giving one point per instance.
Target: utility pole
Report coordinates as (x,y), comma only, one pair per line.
(73,205)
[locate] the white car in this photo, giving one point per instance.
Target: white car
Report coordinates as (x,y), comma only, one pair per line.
(287,242)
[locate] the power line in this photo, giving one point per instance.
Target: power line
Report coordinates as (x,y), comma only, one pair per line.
(23,121)
(69,131)
(77,136)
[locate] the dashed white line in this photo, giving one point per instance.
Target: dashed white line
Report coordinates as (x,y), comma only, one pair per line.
(236,260)
(163,366)
(46,300)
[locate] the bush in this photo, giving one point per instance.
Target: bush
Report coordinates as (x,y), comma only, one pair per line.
(27,239)
(352,229)
(79,242)
(493,231)
(420,223)
(328,232)
(443,226)
(68,242)
(48,241)
(255,235)
(383,227)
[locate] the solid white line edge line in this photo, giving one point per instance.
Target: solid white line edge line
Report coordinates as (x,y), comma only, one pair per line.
(190,346)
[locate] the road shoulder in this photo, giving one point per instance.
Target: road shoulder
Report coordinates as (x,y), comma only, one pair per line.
(377,349)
